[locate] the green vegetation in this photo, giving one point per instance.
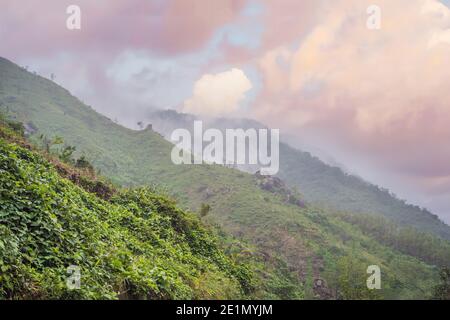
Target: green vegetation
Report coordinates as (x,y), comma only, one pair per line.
(290,247)
(442,291)
(424,246)
(350,281)
(136,245)
(204,209)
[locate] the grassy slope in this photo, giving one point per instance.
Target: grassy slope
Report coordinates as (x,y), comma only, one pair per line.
(137,244)
(307,239)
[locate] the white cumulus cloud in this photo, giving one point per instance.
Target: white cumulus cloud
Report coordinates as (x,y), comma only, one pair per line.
(218,94)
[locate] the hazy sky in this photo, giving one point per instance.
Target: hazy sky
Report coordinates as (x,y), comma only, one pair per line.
(378,101)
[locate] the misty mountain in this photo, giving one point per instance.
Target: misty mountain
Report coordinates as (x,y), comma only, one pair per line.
(319,183)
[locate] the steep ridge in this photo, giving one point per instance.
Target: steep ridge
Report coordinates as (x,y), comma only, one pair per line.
(311,244)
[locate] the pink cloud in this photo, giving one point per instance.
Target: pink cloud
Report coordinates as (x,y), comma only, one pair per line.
(379,94)
(387,87)
(287,21)
(168,27)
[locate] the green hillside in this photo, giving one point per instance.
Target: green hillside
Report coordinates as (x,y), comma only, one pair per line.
(137,244)
(300,244)
(330,187)
(318,182)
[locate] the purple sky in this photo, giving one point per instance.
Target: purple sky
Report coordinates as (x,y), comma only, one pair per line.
(375,100)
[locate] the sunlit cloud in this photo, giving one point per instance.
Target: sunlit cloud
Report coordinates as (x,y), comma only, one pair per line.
(218,94)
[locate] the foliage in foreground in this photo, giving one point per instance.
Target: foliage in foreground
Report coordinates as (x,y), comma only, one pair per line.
(136,245)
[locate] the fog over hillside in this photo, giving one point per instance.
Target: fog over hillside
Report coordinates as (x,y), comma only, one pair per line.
(311,175)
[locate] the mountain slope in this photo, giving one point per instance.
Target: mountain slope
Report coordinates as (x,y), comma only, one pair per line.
(303,243)
(333,188)
(137,244)
(318,182)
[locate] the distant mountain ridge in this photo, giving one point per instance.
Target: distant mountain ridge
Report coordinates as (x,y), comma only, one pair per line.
(320,183)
